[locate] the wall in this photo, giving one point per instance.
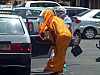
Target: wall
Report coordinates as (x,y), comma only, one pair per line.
(94,4)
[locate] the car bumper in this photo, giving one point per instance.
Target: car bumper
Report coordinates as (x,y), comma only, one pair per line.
(15,60)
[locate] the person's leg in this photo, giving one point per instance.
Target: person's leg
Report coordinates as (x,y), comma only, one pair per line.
(57,63)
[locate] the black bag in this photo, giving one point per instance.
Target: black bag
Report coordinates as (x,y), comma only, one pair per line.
(76,51)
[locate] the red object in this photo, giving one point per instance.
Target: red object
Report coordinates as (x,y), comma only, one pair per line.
(77,20)
(24,47)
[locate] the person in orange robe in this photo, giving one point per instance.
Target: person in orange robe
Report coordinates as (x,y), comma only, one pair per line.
(60,37)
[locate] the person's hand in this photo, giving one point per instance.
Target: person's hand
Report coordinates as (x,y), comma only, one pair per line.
(42,36)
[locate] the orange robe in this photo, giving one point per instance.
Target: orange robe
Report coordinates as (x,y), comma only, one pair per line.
(61,38)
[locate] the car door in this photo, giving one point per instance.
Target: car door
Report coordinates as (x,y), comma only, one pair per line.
(39,47)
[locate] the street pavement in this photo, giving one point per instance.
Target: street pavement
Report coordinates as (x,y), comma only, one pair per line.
(85,64)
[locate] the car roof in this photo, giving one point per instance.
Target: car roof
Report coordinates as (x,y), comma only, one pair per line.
(41,1)
(10,16)
(20,8)
(31,8)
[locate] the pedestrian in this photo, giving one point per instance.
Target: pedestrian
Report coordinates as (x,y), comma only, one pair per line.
(67,20)
(60,36)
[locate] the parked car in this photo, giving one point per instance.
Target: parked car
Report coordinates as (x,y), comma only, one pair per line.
(88,23)
(39,4)
(15,46)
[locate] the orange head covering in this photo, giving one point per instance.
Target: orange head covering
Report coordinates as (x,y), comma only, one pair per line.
(47,14)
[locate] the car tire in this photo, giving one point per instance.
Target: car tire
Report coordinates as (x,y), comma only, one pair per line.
(89,33)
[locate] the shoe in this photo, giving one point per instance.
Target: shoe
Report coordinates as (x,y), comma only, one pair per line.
(65,68)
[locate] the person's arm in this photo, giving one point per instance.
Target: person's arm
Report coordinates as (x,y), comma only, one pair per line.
(42,30)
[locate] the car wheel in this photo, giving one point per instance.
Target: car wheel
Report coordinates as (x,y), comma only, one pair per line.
(89,33)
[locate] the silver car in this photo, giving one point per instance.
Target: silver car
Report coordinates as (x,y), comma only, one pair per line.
(15,46)
(88,23)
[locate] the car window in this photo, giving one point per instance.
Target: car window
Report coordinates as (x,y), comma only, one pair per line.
(97,15)
(43,4)
(10,26)
(35,12)
(72,12)
(20,12)
(83,13)
(32,26)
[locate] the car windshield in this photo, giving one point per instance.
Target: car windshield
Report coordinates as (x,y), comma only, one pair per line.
(10,26)
(43,4)
(83,13)
(73,12)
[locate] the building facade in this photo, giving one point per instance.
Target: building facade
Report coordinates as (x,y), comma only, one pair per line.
(93,4)
(82,3)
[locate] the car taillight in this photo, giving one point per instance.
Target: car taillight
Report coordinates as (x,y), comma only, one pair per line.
(21,47)
(77,21)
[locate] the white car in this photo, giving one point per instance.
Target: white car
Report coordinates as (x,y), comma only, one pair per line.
(88,23)
(40,4)
(15,46)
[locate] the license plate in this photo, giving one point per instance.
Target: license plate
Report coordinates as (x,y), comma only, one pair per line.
(4,47)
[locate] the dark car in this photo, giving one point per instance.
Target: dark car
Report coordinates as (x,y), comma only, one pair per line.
(15,46)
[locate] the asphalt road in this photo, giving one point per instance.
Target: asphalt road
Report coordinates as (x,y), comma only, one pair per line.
(85,64)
